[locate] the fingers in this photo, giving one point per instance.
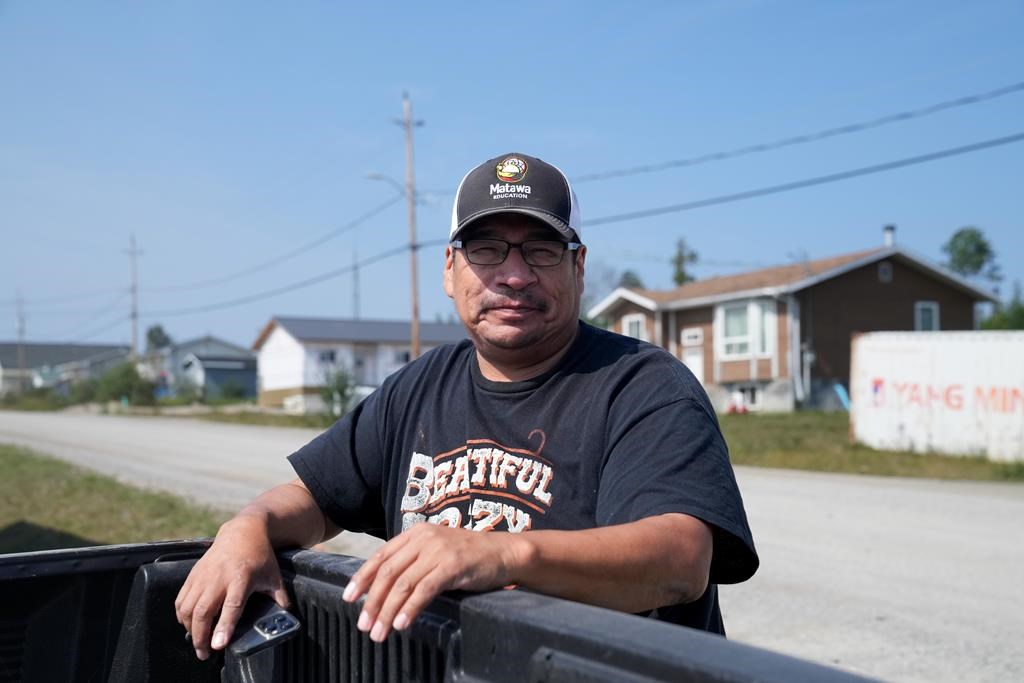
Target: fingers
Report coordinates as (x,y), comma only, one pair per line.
(230,612)
(409,594)
(404,574)
(202,618)
(192,608)
(390,569)
(407,573)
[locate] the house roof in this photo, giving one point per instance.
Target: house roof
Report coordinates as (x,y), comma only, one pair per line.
(38,354)
(778,280)
(200,345)
(222,361)
(368,331)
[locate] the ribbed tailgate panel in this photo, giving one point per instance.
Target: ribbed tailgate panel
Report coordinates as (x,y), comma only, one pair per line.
(331,648)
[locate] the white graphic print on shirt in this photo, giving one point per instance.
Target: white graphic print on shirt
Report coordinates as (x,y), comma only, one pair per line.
(482,486)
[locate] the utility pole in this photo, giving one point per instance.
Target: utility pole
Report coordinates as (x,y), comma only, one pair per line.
(408,124)
(133,255)
(20,304)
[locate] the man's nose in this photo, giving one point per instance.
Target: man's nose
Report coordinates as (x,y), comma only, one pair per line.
(514,271)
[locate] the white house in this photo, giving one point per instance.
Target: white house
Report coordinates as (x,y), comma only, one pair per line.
(296,355)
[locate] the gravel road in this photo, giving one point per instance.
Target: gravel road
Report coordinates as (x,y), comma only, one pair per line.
(901,579)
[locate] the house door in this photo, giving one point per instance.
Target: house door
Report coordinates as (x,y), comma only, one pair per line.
(693,358)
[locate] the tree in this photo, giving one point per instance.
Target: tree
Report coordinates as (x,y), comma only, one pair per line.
(970,254)
(630,280)
(123,382)
(681,261)
(156,338)
(337,391)
(1009,316)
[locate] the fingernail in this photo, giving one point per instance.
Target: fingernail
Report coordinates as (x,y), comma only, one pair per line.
(200,655)
(350,591)
(401,621)
(219,640)
(377,634)
(364,621)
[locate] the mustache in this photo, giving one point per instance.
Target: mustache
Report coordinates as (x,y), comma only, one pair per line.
(511,297)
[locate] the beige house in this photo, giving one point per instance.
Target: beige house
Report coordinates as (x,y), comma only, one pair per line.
(778,338)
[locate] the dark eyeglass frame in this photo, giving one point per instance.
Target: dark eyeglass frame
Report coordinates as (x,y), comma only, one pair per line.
(566,246)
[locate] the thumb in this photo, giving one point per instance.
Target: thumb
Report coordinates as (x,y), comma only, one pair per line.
(280,596)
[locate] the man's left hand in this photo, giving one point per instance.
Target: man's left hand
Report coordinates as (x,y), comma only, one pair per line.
(413,568)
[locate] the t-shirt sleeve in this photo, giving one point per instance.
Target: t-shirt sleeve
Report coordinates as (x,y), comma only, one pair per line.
(342,468)
(674,459)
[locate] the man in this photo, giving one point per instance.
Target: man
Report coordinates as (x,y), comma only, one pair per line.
(605,449)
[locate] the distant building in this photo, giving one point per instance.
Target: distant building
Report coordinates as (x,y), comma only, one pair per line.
(176,364)
(220,376)
(776,338)
(296,355)
(55,365)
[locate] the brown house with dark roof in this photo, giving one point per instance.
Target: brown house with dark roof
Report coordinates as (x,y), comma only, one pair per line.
(778,338)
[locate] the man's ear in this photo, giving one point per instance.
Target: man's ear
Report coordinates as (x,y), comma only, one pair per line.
(581,257)
(449,268)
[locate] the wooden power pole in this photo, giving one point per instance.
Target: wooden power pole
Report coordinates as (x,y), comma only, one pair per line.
(133,255)
(408,124)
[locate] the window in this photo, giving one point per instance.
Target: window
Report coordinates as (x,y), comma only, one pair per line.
(746,329)
(926,316)
(736,339)
(635,325)
(327,356)
(692,336)
(885,272)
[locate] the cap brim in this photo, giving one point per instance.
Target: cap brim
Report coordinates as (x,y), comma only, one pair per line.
(560,226)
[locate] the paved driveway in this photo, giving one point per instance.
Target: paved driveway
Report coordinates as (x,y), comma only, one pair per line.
(906,580)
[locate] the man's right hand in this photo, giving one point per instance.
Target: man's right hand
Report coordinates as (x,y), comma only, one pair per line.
(240,562)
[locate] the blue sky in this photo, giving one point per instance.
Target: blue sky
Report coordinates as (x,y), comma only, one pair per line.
(225,135)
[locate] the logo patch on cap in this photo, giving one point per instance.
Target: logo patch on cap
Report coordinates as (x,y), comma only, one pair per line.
(511,170)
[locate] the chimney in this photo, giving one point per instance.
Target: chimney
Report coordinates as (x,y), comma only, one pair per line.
(889,233)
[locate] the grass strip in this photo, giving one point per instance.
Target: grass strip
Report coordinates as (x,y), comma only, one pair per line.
(820,442)
(310,421)
(46,503)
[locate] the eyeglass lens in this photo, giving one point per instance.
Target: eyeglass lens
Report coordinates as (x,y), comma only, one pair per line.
(535,252)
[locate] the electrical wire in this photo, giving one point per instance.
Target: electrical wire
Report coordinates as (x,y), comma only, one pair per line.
(57,299)
(260,267)
(805,138)
(101,330)
(809,182)
(95,315)
(290,287)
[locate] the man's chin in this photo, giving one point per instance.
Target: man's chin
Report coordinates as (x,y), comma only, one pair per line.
(507,336)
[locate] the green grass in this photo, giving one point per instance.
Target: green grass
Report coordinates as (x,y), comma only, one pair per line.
(801,440)
(312,421)
(46,503)
(820,442)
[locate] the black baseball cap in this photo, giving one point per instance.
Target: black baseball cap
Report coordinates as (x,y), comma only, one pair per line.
(517,183)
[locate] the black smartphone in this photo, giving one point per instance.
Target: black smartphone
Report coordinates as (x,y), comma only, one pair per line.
(264,624)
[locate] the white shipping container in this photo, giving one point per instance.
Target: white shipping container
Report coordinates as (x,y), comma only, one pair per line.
(957,393)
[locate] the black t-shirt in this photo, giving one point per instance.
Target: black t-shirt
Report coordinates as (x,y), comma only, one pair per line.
(618,432)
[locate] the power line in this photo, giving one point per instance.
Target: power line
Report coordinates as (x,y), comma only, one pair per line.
(58,299)
(295,285)
(97,314)
(101,330)
(799,184)
(805,138)
(260,267)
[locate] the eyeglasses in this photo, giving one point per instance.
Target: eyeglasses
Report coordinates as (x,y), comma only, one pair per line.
(537,253)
